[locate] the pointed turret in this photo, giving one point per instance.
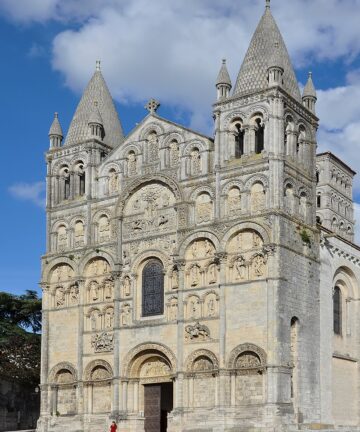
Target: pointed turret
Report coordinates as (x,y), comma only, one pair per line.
(253,75)
(96,90)
(276,68)
(223,82)
(309,95)
(95,122)
(55,132)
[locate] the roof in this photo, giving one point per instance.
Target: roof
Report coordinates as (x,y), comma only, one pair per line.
(55,128)
(309,89)
(96,91)
(223,77)
(260,54)
(338,160)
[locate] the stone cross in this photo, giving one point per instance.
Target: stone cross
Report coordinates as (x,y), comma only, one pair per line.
(152,106)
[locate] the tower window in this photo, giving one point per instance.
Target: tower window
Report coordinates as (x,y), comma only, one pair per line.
(259,137)
(337,310)
(67,186)
(153,288)
(239,141)
(318,201)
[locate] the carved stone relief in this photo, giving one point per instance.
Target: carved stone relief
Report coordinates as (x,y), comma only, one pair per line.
(97,267)
(125,315)
(174,153)
(233,201)
(109,318)
(113,182)
(203,364)
(79,234)
(62,238)
(60,297)
(211,305)
(126,286)
(173,309)
(74,295)
(153,146)
(132,164)
(204,208)
(257,197)
(61,273)
(103,342)
(104,229)
(154,367)
(197,332)
(150,209)
(200,249)
(212,274)
(193,307)
(195,161)
(100,373)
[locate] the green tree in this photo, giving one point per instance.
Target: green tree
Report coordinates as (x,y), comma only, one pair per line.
(20,322)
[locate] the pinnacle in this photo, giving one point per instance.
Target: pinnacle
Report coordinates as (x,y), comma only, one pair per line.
(223,76)
(309,89)
(55,128)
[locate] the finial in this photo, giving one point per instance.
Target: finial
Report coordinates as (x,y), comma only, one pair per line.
(98,68)
(152,106)
(224,61)
(310,74)
(56,115)
(267,4)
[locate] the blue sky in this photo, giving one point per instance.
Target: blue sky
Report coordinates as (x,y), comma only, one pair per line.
(168,50)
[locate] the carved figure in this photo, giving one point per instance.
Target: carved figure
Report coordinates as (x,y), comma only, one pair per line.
(202,364)
(125,315)
(208,248)
(234,201)
(108,289)
(74,294)
(79,234)
(212,274)
(94,291)
(240,268)
(94,320)
(132,164)
(257,197)
(248,360)
(203,208)
(153,146)
(155,368)
(175,278)
(104,229)
(174,153)
(194,308)
(113,182)
(211,310)
(109,318)
(258,265)
(62,238)
(127,286)
(195,162)
(194,275)
(60,297)
(173,308)
(194,249)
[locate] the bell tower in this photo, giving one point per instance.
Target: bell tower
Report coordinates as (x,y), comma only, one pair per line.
(265,138)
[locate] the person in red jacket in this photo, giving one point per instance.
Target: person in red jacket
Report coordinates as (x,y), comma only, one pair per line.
(113,427)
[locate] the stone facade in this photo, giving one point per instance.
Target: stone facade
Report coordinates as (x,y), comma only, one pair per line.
(185,262)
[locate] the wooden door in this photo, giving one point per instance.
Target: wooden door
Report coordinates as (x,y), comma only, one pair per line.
(152,409)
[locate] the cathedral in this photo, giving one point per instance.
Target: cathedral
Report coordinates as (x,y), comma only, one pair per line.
(201,284)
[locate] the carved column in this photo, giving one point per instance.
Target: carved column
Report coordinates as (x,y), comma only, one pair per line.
(124,395)
(44,372)
(80,346)
(116,382)
(251,140)
(221,257)
(180,264)
(136,396)
(233,389)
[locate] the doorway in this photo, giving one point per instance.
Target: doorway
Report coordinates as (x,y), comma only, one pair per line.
(158,402)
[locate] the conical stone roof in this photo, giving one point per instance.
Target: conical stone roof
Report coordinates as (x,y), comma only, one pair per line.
(223,77)
(98,91)
(95,116)
(260,54)
(55,128)
(309,89)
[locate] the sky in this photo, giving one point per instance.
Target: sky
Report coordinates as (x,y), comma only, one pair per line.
(167,49)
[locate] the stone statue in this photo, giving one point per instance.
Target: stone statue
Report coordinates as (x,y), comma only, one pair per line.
(109,318)
(195,162)
(174,153)
(113,182)
(127,286)
(194,275)
(132,170)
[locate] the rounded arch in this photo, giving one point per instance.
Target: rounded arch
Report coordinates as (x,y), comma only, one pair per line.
(258,178)
(232,184)
(135,357)
(106,169)
(173,136)
(189,363)
(92,255)
(140,182)
(199,235)
(130,147)
(75,219)
(346,279)
(143,257)
(155,126)
(90,367)
(255,112)
(200,145)
(200,190)
(233,117)
(50,266)
(66,366)
(243,348)
(251,226)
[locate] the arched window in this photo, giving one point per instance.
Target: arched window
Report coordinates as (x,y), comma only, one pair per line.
(153,288)
(318,201)
(259,136)
(67,185)
(317,176)
(337,310)
(82,183)
(239,141)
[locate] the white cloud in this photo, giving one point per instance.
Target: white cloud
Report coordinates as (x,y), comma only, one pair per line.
(33,192)
(36,50)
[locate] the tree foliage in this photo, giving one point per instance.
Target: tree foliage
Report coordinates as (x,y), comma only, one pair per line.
(20,322)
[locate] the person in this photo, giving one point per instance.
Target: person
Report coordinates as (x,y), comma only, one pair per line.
(113,427)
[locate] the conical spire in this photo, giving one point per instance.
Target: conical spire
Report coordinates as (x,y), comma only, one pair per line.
(253,73)
(223,77)
(309,89)
(55,128)
(96,90)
